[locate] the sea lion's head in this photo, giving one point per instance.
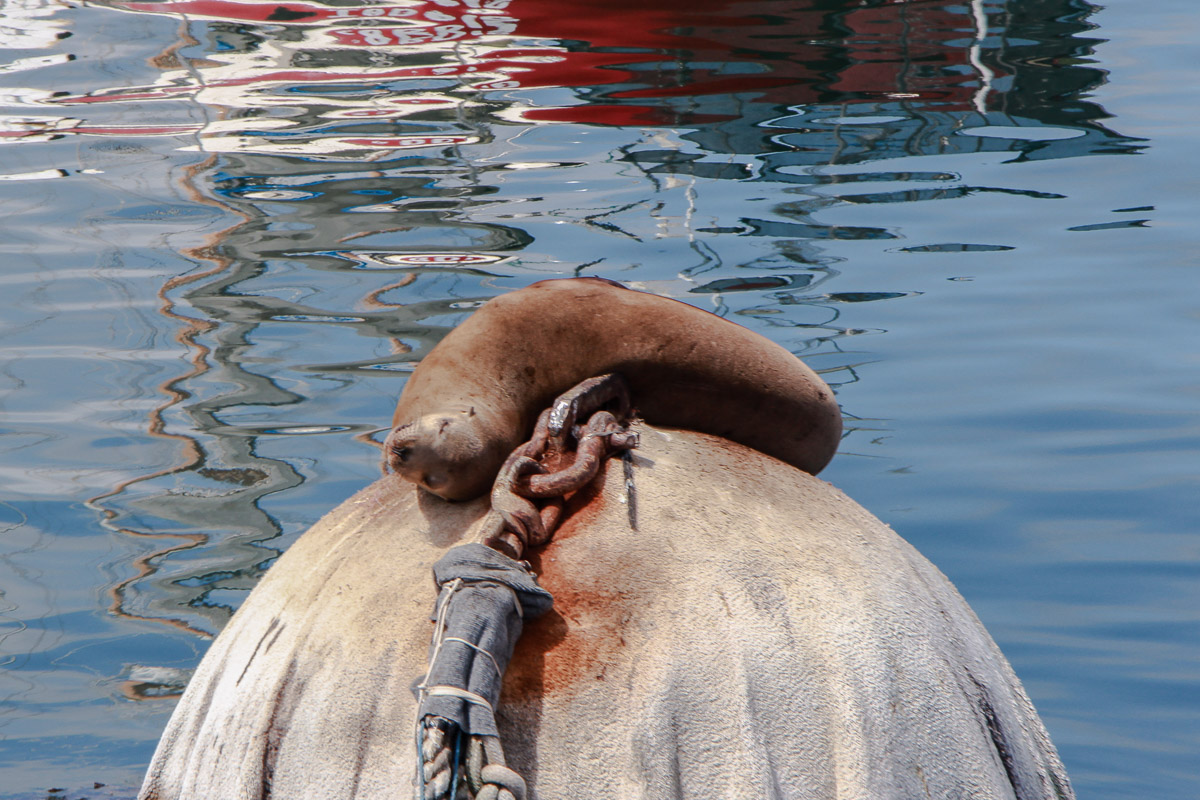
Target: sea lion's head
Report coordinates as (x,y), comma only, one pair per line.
(444,453)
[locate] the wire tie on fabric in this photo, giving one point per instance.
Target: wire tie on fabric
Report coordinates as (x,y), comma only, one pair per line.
(477,648)
(461,694)
(439,634)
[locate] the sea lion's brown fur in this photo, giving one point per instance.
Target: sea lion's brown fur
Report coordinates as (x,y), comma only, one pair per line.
(477,394)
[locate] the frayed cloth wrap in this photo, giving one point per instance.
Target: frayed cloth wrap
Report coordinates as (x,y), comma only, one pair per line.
(486,595)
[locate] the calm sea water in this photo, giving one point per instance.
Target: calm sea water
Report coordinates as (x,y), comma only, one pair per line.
(231,228)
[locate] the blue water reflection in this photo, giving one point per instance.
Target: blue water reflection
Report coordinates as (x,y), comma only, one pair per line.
(236,226)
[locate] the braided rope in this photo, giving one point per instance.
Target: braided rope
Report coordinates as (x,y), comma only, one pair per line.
(434,743)
(437,756)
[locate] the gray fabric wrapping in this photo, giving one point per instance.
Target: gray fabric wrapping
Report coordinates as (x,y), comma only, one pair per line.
(486,611)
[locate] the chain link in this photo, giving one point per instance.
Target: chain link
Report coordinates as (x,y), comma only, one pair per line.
(560,458)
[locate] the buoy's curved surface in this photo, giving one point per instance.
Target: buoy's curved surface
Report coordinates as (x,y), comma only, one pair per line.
(759,636)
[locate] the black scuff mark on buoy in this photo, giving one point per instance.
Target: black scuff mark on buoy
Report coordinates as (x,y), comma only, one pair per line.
(270,628)
(283,708)
(999,739)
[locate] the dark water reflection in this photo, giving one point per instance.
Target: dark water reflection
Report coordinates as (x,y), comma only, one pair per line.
(368,152)
(356,178)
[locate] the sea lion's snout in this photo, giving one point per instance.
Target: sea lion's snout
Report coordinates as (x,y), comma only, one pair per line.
(398,449)
(436,453)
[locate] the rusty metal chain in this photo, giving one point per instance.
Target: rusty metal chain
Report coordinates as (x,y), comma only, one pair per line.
(561,457)
(527,504)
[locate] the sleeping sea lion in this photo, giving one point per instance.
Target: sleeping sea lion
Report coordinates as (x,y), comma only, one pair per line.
(477,394)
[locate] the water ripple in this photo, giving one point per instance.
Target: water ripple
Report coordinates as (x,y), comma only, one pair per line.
(236,227)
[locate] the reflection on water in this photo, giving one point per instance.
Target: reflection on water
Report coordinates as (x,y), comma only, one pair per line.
(349,180)
(382,139)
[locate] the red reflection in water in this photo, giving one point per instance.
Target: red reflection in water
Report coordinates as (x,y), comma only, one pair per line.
(779,53)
